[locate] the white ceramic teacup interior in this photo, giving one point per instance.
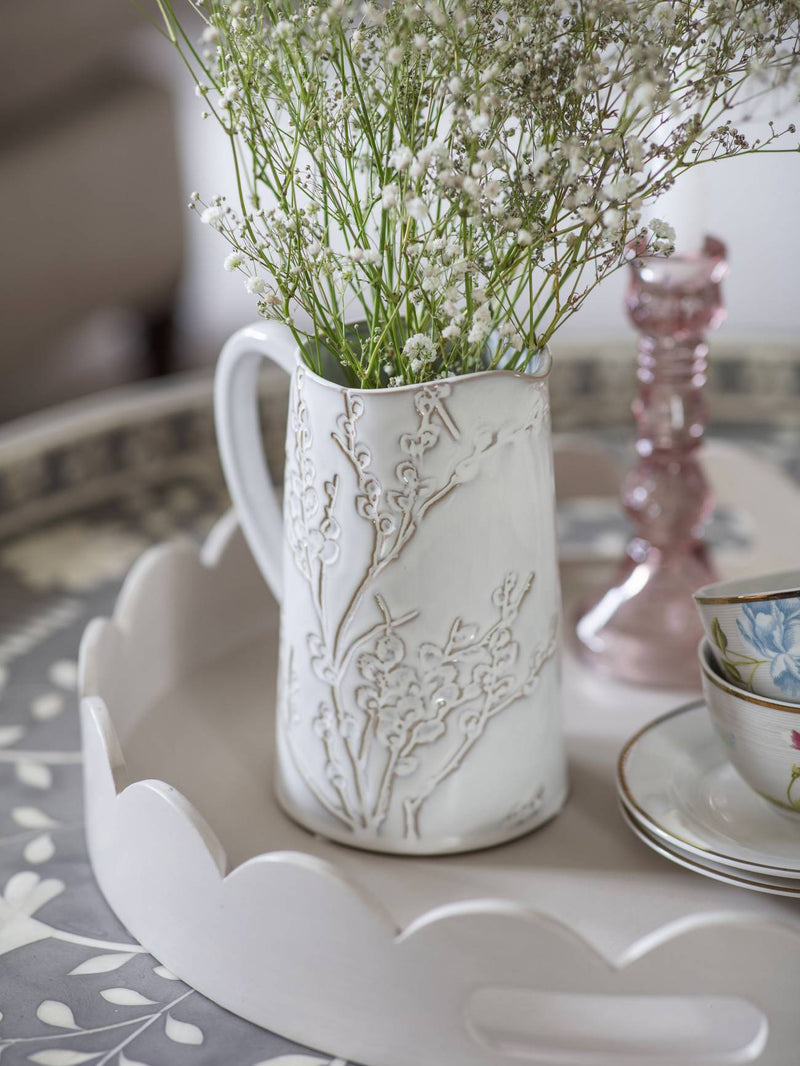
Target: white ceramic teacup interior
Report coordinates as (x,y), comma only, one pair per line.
(758,734)
(783,583)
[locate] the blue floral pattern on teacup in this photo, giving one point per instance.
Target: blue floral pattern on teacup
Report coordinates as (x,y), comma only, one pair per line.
(773,629)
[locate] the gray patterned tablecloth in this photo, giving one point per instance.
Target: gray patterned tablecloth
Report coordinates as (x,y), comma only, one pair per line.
(74,987)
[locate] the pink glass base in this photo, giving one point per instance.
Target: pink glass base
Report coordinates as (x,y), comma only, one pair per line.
(645,628)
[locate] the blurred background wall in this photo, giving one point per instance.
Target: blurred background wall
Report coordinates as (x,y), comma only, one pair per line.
(105,277)
(92,235)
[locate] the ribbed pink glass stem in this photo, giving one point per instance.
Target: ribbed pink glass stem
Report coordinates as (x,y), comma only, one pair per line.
(644,629)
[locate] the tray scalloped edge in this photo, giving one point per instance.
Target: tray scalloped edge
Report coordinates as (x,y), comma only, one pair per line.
(293,943)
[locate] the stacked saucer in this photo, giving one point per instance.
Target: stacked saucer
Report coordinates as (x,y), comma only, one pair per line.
(682,796)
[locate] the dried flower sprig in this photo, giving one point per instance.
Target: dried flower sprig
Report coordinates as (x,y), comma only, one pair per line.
(458,175)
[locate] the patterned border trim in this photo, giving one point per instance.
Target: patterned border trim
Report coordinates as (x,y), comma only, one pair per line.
(591,387)
(595,385)
(41,479)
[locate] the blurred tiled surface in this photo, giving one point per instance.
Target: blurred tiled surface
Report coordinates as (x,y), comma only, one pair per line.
(748,382)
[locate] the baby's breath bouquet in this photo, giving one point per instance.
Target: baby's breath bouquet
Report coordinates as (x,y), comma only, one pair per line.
(456,176)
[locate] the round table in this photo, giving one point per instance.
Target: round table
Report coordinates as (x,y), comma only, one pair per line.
(83,492)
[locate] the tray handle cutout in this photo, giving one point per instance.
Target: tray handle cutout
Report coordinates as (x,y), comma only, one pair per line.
(608,1030)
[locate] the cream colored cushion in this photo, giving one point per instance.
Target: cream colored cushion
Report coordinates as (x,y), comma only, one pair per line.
(92,215)
(50,46)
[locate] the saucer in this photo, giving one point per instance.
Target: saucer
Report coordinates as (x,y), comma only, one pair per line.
(775,886)
(676,783)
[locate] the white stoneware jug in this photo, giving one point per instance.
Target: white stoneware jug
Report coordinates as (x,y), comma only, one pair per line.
(415,564)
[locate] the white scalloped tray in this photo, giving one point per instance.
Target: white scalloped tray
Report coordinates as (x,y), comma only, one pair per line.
(575,946)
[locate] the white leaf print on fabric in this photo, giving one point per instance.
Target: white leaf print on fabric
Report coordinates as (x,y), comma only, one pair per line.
(182,1032)
(48,706)
(168,975)
(102,963)
(20,886)
(123,1060)
(40,849)
(62,1057)
(74,556)
(125,997)
(35,774)
(64,673)
(23,895)
(300,1060)
(32,818)
(10,734)
(57,1014)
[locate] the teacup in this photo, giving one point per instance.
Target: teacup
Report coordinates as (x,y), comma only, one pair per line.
(753,628)
(761,737)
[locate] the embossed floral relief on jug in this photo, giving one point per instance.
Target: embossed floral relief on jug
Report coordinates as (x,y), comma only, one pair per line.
(415,563)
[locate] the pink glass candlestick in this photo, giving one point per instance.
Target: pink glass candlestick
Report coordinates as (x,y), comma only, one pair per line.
(645,629)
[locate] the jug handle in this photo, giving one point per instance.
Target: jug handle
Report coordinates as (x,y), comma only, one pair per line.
(241,446)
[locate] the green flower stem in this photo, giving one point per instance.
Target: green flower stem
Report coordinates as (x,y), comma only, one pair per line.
(563,122)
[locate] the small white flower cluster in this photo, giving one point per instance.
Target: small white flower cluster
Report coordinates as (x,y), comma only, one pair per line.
(481,325)
(664,236)
(233,261)
(419,351)
(460,175)
(255,285)
(213,216)
(515,340)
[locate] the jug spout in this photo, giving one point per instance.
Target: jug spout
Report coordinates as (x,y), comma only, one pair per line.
(537,365)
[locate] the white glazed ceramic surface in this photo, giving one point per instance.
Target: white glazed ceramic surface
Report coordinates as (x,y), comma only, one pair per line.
(753,628)
(761,737)
(676,781)
(418,705)
(775,886)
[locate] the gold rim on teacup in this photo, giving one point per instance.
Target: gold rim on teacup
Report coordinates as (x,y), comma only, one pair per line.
(716,679)
(702,595)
